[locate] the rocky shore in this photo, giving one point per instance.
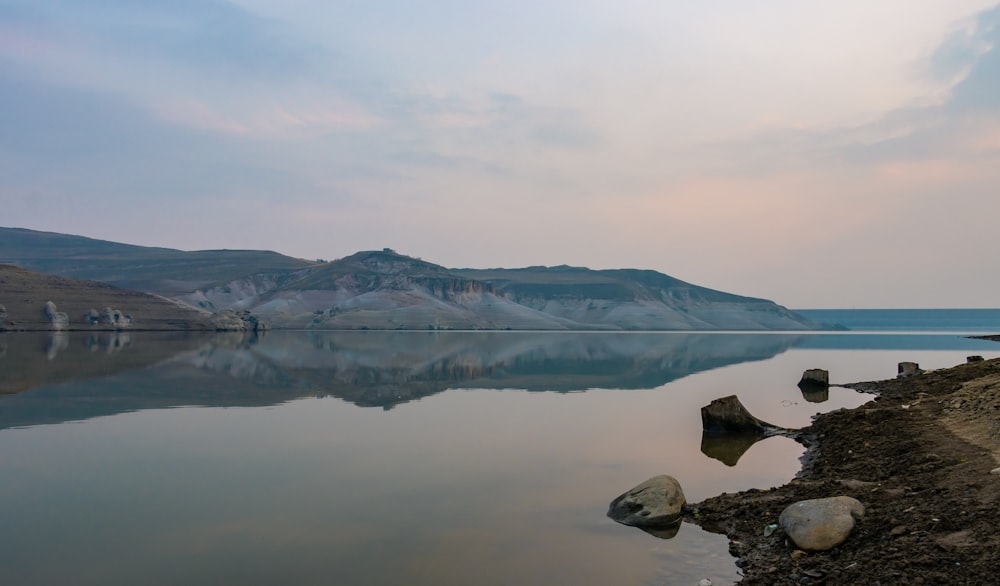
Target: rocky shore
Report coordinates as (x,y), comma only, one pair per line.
(922,458)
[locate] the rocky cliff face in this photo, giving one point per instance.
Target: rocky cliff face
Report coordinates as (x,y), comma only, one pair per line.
(634,300)
(238,294)
(386,290)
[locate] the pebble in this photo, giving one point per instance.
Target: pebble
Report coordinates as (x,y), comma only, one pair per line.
(995,471)
(798,554)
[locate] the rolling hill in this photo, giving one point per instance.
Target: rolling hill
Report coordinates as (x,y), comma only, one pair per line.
(25,295)
(161,270)
(387,290)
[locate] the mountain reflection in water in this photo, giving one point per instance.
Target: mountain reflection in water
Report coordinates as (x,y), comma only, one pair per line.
(136,371)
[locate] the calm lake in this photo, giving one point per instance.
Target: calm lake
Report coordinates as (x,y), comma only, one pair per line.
(394,458)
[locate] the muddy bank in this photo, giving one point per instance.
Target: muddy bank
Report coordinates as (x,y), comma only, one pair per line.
(918,457)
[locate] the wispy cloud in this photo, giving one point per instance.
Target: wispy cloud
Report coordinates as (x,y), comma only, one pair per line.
(757,148)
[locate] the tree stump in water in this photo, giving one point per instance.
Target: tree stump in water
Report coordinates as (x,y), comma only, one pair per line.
(908,369)
(728,415)
(815,378)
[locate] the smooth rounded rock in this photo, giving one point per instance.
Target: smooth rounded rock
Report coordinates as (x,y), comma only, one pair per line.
(821,524)
(654,503)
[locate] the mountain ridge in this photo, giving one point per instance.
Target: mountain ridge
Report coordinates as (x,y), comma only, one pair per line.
(383,289)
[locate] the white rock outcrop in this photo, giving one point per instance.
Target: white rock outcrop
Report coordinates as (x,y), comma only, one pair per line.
(58,319)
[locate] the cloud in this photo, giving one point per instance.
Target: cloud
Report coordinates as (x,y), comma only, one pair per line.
(210,35)
(731,145)
(980,89)
(205,64)
(102,148)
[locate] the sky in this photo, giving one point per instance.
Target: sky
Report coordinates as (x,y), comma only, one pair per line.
(819,154)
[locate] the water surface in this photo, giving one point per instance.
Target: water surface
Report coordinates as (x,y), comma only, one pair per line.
(411,457)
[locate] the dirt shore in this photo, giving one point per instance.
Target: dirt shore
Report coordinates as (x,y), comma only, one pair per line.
(919,457)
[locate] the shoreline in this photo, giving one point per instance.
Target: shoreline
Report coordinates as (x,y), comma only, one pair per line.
(919,457)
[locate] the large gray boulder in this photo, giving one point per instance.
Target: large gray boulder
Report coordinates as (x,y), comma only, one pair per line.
(655,503)
(821,524)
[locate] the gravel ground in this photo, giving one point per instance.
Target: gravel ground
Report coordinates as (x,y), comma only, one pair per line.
(919,457)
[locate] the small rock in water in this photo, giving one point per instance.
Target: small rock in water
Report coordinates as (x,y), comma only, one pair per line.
(654,503)
(704,582)
(815,377)
(821,524)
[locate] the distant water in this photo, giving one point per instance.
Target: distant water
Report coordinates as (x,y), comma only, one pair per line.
(914,320)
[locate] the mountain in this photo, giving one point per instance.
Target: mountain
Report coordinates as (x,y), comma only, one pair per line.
(36,301)
(377,290)
(632,299)
(161,270)
(387,290)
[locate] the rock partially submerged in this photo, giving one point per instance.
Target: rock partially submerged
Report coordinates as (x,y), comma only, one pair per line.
(728,415)
(821,524)
(729,430)
(815,378)
(654,504)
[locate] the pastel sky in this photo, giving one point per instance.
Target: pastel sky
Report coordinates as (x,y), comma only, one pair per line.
(817,153)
